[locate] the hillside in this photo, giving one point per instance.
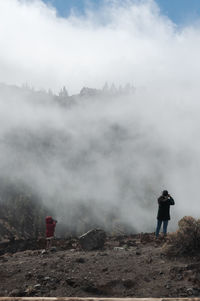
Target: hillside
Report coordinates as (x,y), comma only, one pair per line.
(22,214)
(127,266)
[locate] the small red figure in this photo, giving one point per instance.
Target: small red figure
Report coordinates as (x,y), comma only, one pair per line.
(50,229)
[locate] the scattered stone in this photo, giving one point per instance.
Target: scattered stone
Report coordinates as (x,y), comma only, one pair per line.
(183,295)
(131,243)
(29,291)
(138,253)
(193,266)
(103,254)
(197,277)
(28,275)
(39,277)
(146,237)
(80,260)
(195,291)
(179,269)
(168,285)
(93,239)
(16,293)
(118,248)
(179,277)
(71,282)
(91,288)
(149,260)
(43,252)
(128,283)
(53,249)
(190,291)
(3,259)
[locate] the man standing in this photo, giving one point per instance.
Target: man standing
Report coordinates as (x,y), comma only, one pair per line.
(164,202)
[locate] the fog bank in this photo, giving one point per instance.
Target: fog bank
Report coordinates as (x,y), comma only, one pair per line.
(100,156)
(95,159)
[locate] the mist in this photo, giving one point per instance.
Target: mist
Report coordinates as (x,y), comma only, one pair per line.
(105,154)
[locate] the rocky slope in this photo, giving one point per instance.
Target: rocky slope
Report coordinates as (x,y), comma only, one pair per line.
(127,266)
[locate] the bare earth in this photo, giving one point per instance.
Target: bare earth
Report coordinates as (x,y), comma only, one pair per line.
(128,266)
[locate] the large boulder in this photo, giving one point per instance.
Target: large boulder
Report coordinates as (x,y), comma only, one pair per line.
(93,239)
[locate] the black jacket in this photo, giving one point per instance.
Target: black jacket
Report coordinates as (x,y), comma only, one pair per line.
(164,206)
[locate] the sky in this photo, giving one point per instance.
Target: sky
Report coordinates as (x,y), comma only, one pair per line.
(97,41)
(179,11)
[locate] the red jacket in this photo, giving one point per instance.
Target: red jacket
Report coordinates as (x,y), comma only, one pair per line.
(50,226)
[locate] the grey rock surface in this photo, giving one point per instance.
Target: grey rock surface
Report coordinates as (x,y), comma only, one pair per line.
(93,239)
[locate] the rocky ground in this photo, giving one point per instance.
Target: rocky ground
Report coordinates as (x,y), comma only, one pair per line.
(127,266)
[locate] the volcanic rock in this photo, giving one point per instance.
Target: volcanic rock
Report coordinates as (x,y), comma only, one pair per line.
(93,239)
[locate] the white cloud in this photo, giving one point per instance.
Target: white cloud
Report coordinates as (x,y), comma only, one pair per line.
(129,42)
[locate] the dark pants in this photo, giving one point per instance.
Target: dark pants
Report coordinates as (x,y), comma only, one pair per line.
(159,223)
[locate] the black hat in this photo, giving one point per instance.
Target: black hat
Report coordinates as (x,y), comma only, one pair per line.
(165,193)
